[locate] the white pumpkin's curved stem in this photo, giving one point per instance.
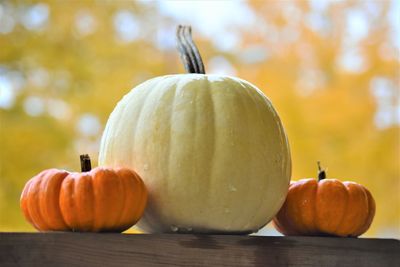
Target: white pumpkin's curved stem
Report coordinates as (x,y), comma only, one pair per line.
(184,53)
(192,45)
(185,42)
(190,55)
(321,172)
(86,165)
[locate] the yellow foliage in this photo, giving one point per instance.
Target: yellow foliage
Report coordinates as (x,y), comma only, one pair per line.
(331,70)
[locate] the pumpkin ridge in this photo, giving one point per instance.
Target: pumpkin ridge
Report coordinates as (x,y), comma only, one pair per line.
(194,170)
(211,88)
(301,197)
(146,216)
(57,196)
(99,222)
(155,86)
(371,208)
(180,85)
(110,145)
(92,197)
(361,225)
(297,220)
(120,124)
(93,206)
(244,88)
(113,128)
(344,212)
(371,212)
(118,200)
(287,221)
(122,217)
(239,103)
(122,224)
(121,188)
(314,229)
(23,201)
(212,125)
(40,201)
(32,202)
(83,196)
(283,136)
(261,101)
(43,199)
(316,224)
(153,83)
(346,229)
(330,186)
(129,215)
(75,199)
(168,158)
(120,220)
(27,208)
(79,201)
(66,201)
(132,157)
(114,195)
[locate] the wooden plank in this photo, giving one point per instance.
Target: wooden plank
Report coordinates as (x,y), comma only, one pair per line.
(88,249)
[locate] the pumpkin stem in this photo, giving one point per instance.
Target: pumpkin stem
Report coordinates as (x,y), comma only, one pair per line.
(188,51)
(85,163)
(321,172)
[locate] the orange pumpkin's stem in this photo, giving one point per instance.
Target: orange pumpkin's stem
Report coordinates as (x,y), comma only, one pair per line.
(86,165)
(321,172)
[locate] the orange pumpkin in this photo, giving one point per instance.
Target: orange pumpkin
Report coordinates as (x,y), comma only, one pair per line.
(325,207)
(98,200)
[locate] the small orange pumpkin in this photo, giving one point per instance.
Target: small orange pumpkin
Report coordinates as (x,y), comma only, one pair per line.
(325,207)
(98,200)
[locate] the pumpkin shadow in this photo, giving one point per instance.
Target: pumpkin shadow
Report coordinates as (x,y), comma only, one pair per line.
(201,242)
(271,251)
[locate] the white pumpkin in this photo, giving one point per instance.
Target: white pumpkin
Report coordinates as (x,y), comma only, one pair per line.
(211,150)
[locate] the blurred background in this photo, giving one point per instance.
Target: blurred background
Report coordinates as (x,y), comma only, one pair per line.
(331,68)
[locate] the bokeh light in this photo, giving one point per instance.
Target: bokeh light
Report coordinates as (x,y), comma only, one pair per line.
(331,68)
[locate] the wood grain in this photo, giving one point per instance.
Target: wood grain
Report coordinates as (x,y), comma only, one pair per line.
(88,249)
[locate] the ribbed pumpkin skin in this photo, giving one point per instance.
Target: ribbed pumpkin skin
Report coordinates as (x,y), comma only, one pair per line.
(211,150)
(327,207)
(102,200)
